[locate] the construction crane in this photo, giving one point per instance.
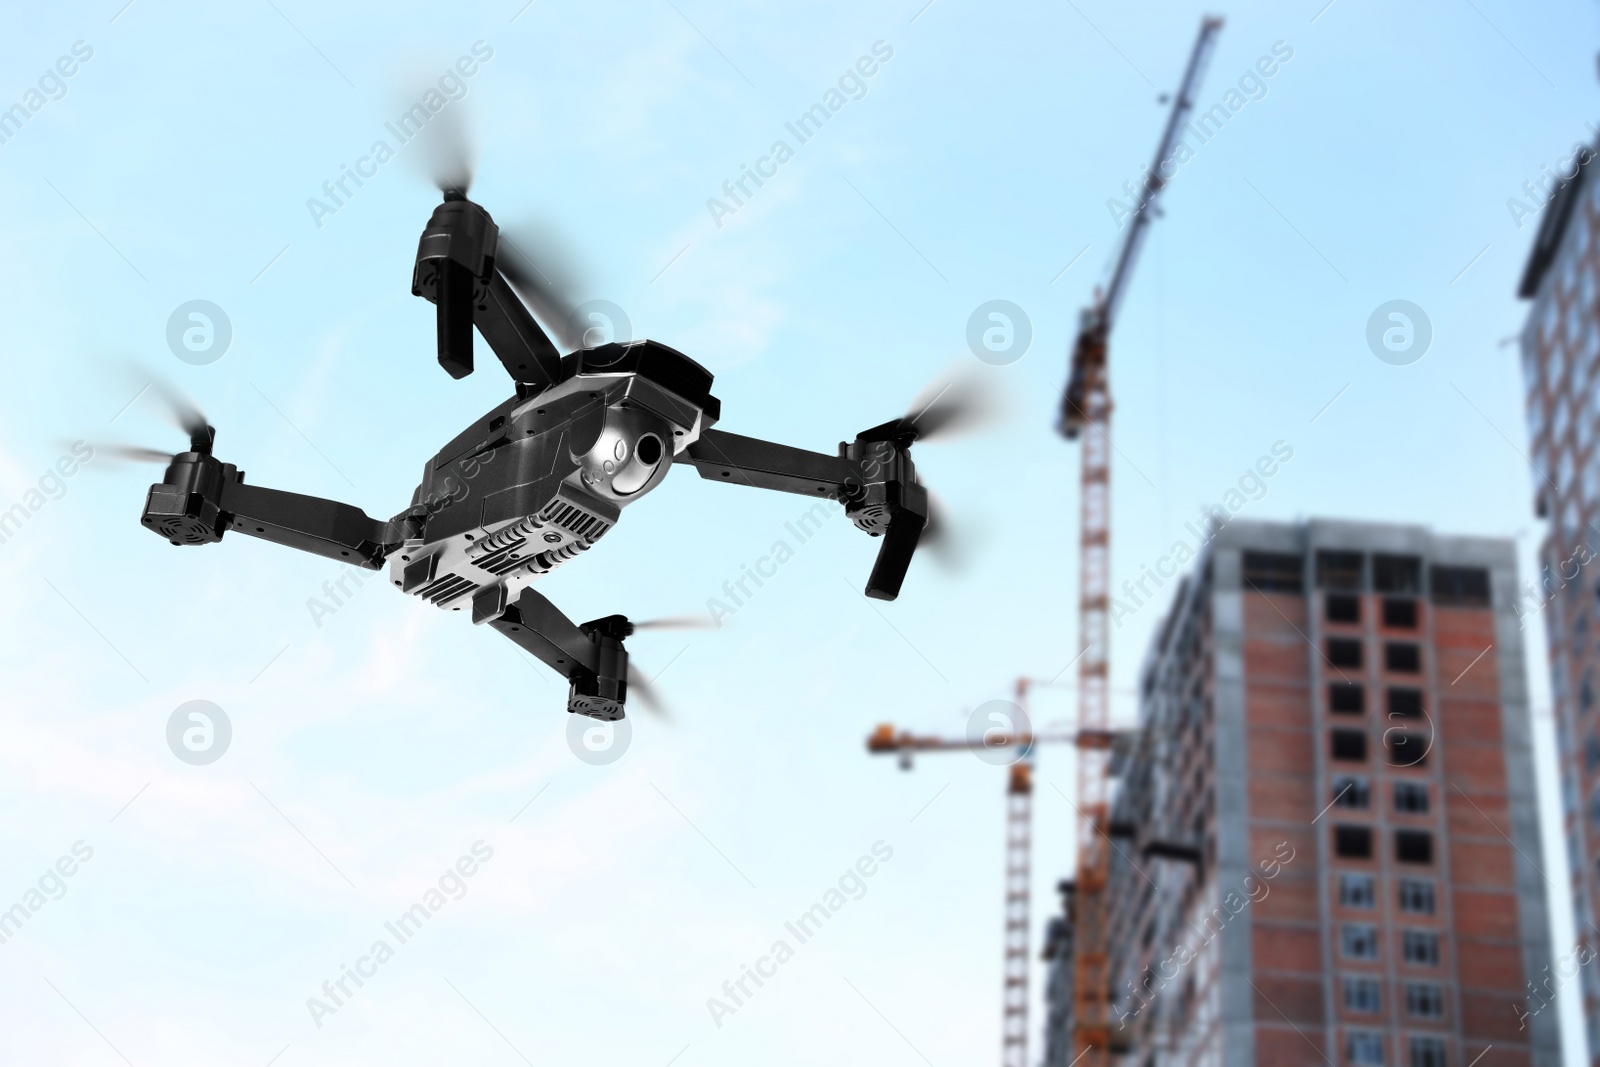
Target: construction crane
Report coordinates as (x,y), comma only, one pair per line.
(1086,417)
(1019,847)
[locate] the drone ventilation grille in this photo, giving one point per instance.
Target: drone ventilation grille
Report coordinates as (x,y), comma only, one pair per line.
(442,590)
(186,530)
(545,562)
(574,520)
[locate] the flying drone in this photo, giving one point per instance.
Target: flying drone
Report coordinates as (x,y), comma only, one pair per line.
(541,477)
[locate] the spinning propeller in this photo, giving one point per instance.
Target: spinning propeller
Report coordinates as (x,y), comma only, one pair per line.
(955,403)
(647,691)
(182,413)
(473,272)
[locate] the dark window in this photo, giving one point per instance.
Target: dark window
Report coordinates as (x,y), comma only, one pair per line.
(1343,652)
(1339,570)
(1353,842)
(1359,941)
(1400,614)
(1428,1052)
(1420,947)
(1413,846)
(1273,572)
(1416,896)
(1411,797)
(1342,608)
(1405,703)
(1463,587)
(1362,994)
(1356,891)
(1397,574)
(1346,698)
(1406,749)
(1402,658)
(1364,1047)
(1350,792)
(1349,744)
(1424,1000)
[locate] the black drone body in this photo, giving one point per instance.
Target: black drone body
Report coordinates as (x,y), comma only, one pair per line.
(540,478)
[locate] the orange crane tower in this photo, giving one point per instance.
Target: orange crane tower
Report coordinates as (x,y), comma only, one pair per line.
(1086,414)
(1019,848)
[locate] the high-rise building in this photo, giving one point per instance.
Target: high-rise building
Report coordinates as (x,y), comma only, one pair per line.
(1325,827)
(1058,956)
(1560,346)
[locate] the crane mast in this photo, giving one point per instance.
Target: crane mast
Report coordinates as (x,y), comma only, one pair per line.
(1086,417)
(1018,888)
(1018,853)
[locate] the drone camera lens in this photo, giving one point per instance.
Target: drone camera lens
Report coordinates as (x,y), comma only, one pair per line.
(634,476)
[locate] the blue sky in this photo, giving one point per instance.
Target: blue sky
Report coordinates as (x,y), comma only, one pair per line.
(373,751)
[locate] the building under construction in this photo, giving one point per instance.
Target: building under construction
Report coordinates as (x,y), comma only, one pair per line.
(1560,361)
(1324,839)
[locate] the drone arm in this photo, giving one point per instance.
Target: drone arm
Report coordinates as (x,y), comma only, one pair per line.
(200,498)
(590,657)
(539,627)
(526,351)
(311,524)
(874,481)
(721,456)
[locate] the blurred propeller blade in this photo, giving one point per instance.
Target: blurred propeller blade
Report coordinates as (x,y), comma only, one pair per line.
(951,544)
(956,402)
(649,696)
(547,283)
(175,407)
(448,149)
(183,413)
(678,622)
(133,453)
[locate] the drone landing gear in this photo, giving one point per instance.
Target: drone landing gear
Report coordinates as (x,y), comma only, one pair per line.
(590,657)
